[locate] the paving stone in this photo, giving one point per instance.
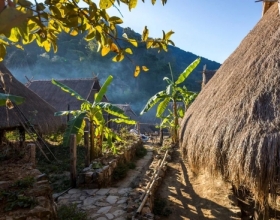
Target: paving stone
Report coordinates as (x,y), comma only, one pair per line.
(73,191)
(83,197)
(94,215)
(121,201)
(104,210)
(113,191)
(101,218)
(124,190)
(118,212)
(109,216)
(120,218)
(90,191)
(112,199)
(102,204)
(103,191)
(75,196)
(89,207)
(91,200)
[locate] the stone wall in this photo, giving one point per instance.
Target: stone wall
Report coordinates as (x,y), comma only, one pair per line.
(99,173)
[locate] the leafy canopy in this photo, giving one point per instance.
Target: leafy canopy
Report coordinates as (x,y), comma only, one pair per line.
(23,22)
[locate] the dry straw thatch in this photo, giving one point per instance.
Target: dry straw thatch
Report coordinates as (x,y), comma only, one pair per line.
(233,127)
(39,113)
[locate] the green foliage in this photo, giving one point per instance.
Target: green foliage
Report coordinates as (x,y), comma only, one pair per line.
(94,113)
(172,94)
(70,212)
(8,100)
(15,196)
(26,182)
(28,22)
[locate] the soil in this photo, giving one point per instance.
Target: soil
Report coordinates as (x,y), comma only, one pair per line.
(186,196)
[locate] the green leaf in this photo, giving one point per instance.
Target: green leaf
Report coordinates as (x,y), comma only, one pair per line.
(67,89)
(153,100)
(187,71)
(125,121)
(112,109)
(103,89)
(15,99)
(73,127)
(162,106)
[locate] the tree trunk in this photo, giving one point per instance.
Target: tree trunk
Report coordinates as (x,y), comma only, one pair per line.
(21,136)
(176,124)
(92,145)
(160,136)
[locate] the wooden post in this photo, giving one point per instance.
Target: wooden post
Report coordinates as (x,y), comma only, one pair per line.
(87,148)
(138,127)
(92,150)
(32,160)
(73,160)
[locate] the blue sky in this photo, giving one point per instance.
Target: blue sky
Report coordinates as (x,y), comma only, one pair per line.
(209,28)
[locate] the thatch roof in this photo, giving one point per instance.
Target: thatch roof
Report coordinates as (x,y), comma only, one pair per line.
(36,110)
(233,126)
(61,100)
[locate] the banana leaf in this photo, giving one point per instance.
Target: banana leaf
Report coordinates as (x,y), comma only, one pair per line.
(67,89)
(74,126)
(154,100)
(182,77)
(103,89)
(13,98)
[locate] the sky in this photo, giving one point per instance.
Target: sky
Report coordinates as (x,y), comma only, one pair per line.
(208,28)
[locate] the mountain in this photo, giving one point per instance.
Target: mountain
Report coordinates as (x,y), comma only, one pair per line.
(77,58)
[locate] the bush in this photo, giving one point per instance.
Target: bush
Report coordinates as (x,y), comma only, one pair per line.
(70,212)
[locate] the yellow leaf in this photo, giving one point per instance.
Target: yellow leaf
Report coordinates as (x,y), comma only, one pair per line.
(145,34)
(128,50)
(133,42)
(91,34)
(153,2)
(14,35)
(167,35)
(4,42)
(9,18)
(115,20)
(105,4)
(149,44)
(114,48)
(118,58)
(19,46)
(137,71)
(47,45)
(2,52)
(105,50)
(74,32)
(132,4)
(144,68)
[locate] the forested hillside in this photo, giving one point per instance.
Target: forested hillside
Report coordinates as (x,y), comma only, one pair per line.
(77,58)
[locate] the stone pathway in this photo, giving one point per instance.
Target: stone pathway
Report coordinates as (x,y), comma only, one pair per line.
(108,203)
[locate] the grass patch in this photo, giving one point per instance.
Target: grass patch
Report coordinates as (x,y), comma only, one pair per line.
(70,212)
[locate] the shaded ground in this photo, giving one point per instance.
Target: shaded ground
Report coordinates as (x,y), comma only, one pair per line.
(189,197)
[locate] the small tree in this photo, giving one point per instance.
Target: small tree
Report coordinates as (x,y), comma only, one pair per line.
(93,113)
(174,94)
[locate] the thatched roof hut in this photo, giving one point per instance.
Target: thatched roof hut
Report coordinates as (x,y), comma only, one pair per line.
(233,126)
(61,100)
(39,113)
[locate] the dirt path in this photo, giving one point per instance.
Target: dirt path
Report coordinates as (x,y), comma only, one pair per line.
(194,198)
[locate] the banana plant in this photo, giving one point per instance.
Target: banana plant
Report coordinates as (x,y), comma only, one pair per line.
(8,100)
(173,93)
(93,113)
